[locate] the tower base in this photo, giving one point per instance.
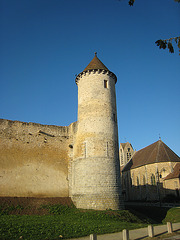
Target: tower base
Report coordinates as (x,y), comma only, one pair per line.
(98,202)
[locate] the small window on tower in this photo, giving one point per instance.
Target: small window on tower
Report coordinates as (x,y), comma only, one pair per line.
(114,117)
(105,84)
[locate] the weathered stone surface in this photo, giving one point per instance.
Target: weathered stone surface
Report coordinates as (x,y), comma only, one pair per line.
(80,161)
(95,167)
(33,159)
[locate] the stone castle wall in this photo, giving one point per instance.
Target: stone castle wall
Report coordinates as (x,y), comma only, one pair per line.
(34,159)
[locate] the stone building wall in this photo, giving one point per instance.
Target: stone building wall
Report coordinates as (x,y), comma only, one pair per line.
(171,185)
(146,182)
(34,159)
(126,151)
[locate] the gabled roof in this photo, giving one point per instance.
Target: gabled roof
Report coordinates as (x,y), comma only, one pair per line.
(95,64)
(154,153)
(175,173)
(123,145)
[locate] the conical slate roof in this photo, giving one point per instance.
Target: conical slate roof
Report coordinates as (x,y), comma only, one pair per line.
(95,64)
(154,153)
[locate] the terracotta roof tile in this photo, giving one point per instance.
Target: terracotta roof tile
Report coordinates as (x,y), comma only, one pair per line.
(96,64)
(156,152)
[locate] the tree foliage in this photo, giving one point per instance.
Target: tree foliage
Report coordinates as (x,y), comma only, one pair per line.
(166,43)
(131,2)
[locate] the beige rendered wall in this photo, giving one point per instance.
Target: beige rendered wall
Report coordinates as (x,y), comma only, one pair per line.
(34,159)
(172,183)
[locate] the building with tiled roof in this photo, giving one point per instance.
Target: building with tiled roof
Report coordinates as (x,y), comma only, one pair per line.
(154,153)
(146,174)
(175,173)
(172,181)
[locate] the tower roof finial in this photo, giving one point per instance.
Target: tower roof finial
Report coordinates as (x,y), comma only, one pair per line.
(95,54)
(159,136)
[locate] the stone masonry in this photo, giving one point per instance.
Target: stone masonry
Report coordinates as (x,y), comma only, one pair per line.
(34,159)
(80,160)
(95,166)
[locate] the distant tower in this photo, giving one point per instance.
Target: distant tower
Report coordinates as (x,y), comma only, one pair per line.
(95,165)
(126,151)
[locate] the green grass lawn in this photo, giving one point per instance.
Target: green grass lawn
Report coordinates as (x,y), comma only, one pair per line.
(173,215)
(63,222)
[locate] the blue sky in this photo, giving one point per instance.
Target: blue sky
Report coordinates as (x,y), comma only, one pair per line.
(45,43)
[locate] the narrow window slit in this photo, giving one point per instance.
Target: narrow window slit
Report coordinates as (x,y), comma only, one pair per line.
(107,149)
(105,84)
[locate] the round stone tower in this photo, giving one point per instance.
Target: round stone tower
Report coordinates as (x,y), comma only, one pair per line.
(95,166)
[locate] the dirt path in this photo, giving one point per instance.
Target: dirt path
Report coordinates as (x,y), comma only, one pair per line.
(31,206)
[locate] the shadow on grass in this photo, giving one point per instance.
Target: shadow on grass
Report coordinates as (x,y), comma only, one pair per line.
(155,214)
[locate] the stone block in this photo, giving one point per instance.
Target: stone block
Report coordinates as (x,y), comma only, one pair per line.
(93,236)
(150,231)
(169,227)
(125,234)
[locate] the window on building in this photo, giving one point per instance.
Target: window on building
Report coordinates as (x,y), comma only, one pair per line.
(128,156)
(107,149)
(153,179)
(128,149)
(132,178)
(137,181)
(114,117)
(85,149)
(144,180)
(105,84)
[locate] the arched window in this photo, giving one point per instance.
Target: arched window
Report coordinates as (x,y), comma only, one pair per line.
(153,179)
(132,179)
(137,182)
(144,180)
